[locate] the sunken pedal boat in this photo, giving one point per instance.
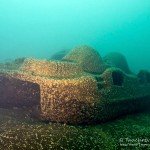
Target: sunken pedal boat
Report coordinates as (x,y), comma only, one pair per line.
(81,88)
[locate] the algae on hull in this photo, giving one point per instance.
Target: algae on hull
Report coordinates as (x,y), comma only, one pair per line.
(69,94)
(88,58)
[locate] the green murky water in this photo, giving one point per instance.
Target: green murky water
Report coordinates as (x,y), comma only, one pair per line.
(39,29)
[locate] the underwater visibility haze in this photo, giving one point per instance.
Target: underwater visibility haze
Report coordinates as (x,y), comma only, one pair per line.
(39,28)
(74,74)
